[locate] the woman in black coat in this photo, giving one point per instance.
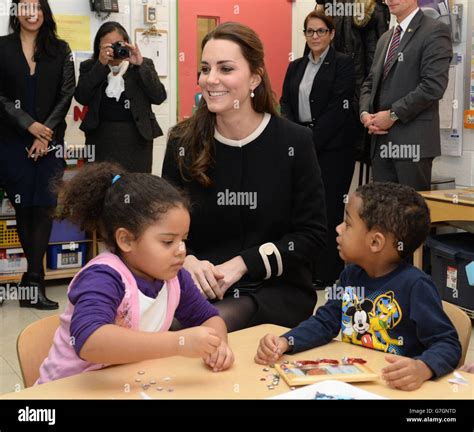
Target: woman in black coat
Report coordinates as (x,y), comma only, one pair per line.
(318,92)
(119,91)
(258,216)
(36,88)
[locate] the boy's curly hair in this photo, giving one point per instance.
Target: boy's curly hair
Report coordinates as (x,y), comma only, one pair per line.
(398,210)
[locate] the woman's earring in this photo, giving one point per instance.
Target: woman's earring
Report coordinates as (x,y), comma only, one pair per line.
(252,94)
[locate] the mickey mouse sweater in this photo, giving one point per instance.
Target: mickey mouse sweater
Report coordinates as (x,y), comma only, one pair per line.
(399,313)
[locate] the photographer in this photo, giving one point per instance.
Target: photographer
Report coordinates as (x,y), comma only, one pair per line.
(36,88)
(119,86)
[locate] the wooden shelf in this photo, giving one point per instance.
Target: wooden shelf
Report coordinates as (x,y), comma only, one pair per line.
(11,277)
(71,241)
(61,273)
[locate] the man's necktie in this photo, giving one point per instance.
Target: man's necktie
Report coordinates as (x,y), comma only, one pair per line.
(392,51)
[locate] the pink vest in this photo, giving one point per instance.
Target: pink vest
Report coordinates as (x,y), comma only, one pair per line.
(62,360)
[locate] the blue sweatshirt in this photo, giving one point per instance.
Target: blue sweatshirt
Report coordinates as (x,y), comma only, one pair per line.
(399,313)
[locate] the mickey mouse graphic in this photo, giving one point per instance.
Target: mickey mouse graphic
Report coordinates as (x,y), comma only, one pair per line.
(359,314)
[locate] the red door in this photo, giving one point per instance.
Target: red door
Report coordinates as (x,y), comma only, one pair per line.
(271,19)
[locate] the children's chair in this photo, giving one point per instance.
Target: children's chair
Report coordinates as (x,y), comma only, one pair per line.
(462,324)
(32,347)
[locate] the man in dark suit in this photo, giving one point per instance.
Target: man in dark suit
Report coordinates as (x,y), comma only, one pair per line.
(399,99)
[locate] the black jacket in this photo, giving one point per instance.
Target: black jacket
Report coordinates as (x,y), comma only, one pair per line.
(142,87)
(331,99)
(55,88)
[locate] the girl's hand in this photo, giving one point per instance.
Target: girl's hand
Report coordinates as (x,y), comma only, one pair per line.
(106,54)
(197,342)
(135,54)
(205,276)
(270,349)
(233,270)
(222,359)
(41,132)
(468,368)
(38,149)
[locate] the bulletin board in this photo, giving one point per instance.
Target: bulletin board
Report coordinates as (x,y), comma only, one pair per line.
(153,43)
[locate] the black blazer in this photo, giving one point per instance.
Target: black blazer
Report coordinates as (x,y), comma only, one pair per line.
(54,92)
(142,87)
(331,99)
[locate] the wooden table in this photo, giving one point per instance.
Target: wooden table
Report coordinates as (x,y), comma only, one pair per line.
(445,206)
(190,379)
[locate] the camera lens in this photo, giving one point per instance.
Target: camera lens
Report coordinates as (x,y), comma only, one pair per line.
(120,50)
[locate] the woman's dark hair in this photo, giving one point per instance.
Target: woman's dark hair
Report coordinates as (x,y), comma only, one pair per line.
(47,41)
(134,201)
(323,17)
(105,29)
(196,134)
(398,210)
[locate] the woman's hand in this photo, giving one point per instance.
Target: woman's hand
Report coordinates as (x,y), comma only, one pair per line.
(41,132)
(135,54)
(205,276)
(233,270)
(221,359)
(106,54)
(38,149)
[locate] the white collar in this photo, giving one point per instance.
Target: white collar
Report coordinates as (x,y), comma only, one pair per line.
(406,22)
(253,136)
(321,57)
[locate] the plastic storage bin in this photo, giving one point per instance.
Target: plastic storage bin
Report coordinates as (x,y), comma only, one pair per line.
(12,260)
(67,255)
(65,231)
(450,255)
(8,234)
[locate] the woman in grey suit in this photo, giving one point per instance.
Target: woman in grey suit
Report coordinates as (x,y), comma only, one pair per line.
(119,86)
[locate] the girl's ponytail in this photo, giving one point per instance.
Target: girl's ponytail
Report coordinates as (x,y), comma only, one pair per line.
(105,197)
(82,198)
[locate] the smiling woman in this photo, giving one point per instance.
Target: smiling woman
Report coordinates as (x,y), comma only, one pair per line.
(36,88)
(257,175)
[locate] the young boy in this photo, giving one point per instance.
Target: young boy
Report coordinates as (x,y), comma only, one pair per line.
(383,303)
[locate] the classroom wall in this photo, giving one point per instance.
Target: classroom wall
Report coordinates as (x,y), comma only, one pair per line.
(462,167)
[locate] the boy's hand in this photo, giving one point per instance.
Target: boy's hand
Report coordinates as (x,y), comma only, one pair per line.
(221,359)
(405,373)
(270,349)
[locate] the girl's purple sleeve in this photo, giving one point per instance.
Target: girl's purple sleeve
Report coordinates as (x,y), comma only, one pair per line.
(96,295)
(193,308)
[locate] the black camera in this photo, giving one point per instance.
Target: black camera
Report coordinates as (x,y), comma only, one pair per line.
(120,50)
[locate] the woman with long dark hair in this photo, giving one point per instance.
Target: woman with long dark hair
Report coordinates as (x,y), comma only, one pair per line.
(258,215)
(119,86)
(36,88)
